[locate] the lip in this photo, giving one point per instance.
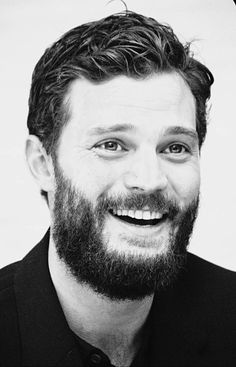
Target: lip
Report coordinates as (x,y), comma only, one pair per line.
(137,230)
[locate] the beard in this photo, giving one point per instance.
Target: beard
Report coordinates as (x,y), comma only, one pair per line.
(78,234)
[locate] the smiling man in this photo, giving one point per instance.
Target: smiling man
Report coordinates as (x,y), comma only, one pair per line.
(127,183)
(117,118)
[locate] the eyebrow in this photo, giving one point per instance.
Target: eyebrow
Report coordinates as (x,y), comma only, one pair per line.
(180,130)
(172,130)
(100,130)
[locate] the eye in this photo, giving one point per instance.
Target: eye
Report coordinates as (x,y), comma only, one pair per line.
(111,145)
(176,148)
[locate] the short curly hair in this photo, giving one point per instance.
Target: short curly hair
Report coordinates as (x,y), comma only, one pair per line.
(126,43)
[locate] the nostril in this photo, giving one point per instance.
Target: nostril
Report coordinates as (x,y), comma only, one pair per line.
(146,178)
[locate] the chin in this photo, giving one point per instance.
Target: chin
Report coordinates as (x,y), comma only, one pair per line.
(138,247)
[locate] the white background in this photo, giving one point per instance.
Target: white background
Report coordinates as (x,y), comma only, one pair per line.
(27,27)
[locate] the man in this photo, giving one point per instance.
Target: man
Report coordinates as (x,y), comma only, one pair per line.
(117,118)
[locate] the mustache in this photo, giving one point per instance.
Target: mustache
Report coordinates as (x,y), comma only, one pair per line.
(156,201)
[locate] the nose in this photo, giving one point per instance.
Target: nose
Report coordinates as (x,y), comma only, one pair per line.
(145,172)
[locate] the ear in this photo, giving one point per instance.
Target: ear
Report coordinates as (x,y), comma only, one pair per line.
(40,164)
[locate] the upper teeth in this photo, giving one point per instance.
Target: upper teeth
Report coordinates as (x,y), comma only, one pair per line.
(138,214)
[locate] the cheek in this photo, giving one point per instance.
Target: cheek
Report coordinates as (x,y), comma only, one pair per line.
(94,179)
(185,182)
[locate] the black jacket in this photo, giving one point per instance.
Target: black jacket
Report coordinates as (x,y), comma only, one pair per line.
(193,322)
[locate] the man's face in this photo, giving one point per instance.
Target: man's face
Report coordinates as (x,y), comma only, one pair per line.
(127,174)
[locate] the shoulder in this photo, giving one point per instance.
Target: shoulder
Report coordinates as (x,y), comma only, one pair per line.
(9,329)
(201,279)
(7,298)
(203,291)
(7,273)
(7,282)
(209,275)
(196,263)
(196,317)
(209,266)
(206,290)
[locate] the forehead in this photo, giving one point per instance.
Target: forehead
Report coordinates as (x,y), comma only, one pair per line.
(163,98)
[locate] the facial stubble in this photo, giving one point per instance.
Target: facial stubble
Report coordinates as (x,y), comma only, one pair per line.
(77,232)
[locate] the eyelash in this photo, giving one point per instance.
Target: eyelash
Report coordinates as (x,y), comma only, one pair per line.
(113,142)
(182,146)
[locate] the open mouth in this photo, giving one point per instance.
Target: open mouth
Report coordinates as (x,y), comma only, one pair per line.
(139,217)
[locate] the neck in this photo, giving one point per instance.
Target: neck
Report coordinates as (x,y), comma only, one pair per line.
(99,320)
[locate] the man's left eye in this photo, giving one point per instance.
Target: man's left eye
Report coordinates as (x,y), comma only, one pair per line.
(111,146)
(176,149)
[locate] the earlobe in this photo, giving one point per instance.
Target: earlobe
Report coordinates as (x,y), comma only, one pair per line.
(40,163)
